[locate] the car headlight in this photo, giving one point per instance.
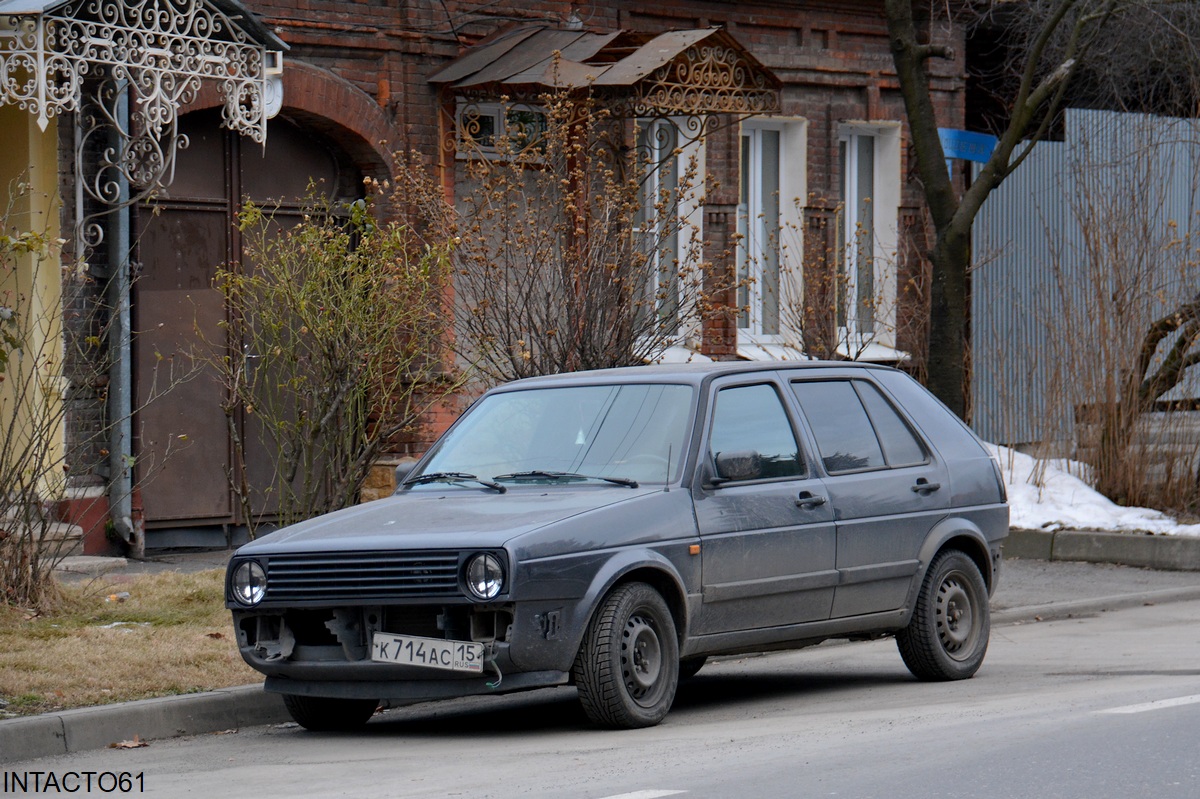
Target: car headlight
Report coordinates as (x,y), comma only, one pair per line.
(249,583)
(485,576)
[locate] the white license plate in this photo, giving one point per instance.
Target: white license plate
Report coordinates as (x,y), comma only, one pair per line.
(436,653)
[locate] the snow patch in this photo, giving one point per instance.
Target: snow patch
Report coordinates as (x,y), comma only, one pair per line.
(1062,501)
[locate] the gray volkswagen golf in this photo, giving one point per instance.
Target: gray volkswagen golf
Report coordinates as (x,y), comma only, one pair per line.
(613,529)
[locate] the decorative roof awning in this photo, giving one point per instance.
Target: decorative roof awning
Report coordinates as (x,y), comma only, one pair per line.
(142,60)
(162,49)
(687,72)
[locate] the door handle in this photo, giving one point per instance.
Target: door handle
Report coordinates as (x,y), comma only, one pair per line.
(808,500)
(923,486)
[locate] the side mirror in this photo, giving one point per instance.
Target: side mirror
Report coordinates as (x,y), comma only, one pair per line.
(738,465)
(403,469)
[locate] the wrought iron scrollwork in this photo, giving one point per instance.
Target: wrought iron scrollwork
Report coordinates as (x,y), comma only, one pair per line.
(158,52)
(707,79)
(121,158)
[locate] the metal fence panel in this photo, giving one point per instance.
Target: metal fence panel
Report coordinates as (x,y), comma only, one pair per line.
(1074,254)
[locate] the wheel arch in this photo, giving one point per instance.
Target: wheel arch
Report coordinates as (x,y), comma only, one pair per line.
(963,535)
(952,533)
(647,567)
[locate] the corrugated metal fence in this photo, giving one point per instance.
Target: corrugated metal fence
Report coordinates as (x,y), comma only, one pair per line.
(1074,255)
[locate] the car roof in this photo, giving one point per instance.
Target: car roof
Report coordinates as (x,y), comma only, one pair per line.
(685,373)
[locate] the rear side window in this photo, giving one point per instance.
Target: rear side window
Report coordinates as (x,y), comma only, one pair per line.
(856,428)
(900,446)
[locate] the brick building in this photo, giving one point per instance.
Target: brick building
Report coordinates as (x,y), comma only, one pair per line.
(826,173)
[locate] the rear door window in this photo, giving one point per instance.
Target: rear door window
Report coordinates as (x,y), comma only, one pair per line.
(856,428)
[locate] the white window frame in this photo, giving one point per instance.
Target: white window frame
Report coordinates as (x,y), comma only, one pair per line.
(690,211)
(855,339)
(754,230)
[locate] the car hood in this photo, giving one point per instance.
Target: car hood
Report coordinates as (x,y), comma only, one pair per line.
(450,518)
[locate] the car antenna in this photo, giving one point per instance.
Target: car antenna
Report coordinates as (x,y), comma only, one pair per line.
(667,481)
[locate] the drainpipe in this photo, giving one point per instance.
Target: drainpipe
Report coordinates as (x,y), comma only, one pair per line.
(120,385)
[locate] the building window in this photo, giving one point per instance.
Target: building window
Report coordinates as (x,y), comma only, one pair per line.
(769,242)
(668,218)
(869,161)
(657,235)
(493,129)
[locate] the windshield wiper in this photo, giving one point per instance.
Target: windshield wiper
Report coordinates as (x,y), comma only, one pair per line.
(539,474)
(451,477)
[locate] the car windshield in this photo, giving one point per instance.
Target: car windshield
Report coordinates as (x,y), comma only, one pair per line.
(636,433)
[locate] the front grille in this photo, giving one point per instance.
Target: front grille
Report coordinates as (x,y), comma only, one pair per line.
(361,576)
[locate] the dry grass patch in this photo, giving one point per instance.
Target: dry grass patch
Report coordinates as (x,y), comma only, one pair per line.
(172,635)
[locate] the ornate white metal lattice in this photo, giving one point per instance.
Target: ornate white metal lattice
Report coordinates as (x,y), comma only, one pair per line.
(162,48)
(127,66)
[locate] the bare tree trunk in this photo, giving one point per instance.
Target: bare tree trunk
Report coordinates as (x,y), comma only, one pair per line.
(948,322)
(951,251)
(1043,78)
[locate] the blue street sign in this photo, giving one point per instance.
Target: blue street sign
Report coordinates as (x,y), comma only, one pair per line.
(967,145)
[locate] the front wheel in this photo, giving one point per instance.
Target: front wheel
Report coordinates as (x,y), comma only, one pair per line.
(320,714)
(628,666)
(947,636)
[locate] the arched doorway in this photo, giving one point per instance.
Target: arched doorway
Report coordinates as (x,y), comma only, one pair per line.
(182,437)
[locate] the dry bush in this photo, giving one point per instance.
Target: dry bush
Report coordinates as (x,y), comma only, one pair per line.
(1120,318)
(33,407)
(571,249)
(343,323)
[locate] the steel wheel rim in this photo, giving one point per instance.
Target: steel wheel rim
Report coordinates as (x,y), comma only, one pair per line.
(641,659)
(955,616)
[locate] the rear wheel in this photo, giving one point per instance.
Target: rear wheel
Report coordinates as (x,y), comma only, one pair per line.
(947,636)
(321,714)
(628,666)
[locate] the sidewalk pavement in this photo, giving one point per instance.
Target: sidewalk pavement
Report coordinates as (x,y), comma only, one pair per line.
(1046,575)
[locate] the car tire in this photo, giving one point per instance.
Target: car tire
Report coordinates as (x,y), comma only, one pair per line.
(627,669)
(690,667)
(947,636)
(321,714)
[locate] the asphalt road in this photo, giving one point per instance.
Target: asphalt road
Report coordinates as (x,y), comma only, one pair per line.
(1102,706)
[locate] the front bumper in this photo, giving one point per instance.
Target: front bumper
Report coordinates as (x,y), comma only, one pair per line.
(327,651)
(401,691)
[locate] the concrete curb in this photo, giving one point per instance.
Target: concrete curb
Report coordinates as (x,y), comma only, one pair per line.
(1169,553)
(71,731)
(1088,607)
(79,730)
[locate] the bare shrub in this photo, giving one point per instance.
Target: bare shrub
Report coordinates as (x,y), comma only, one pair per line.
(575,238)
(343,322)
(35,454)
(1122,315)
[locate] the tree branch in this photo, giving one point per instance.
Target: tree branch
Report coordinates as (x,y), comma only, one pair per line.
(1177,361)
